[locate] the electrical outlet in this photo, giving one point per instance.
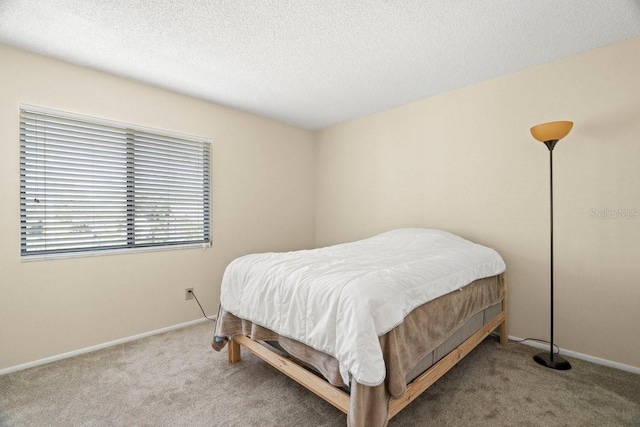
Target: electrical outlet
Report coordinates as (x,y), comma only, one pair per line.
(188,293)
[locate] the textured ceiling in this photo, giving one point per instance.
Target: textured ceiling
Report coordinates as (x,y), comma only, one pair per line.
(314,63)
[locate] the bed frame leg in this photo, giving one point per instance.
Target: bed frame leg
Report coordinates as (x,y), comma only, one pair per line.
(503,333)
(233,351)
(503,326)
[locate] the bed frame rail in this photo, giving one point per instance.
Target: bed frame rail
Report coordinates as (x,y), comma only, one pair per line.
(435,372)
(322,388)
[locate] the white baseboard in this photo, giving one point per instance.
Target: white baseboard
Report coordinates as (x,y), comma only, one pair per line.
(98,347)
(588,358)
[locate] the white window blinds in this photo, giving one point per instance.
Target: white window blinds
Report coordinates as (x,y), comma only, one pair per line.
(94,185)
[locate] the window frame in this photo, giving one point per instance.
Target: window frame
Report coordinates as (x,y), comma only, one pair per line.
(133,132)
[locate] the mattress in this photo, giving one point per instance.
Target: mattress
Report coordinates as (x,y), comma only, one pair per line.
(340,299)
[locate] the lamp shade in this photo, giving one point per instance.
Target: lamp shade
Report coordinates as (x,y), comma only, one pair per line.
(552,131)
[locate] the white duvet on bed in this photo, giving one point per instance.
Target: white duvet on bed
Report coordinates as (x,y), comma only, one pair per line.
(339,299)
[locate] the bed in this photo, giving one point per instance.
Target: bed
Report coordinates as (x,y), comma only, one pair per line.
(366,325)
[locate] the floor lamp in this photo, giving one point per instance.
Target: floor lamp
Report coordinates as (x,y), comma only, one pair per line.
(550,133)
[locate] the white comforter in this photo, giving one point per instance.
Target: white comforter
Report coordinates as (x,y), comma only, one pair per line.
(341,298)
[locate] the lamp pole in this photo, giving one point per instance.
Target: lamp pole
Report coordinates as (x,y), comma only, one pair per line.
(550,360)
(550,145)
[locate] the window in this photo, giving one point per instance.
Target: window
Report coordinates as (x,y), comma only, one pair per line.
(90,185)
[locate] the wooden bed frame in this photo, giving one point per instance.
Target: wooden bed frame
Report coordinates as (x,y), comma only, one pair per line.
(338,397)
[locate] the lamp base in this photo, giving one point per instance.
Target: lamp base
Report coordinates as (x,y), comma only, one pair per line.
(558,362)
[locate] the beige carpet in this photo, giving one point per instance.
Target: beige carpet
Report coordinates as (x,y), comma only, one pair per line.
(176,379)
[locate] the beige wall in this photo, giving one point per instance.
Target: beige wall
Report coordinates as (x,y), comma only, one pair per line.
(262,188)
(462,161)
(465,162)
